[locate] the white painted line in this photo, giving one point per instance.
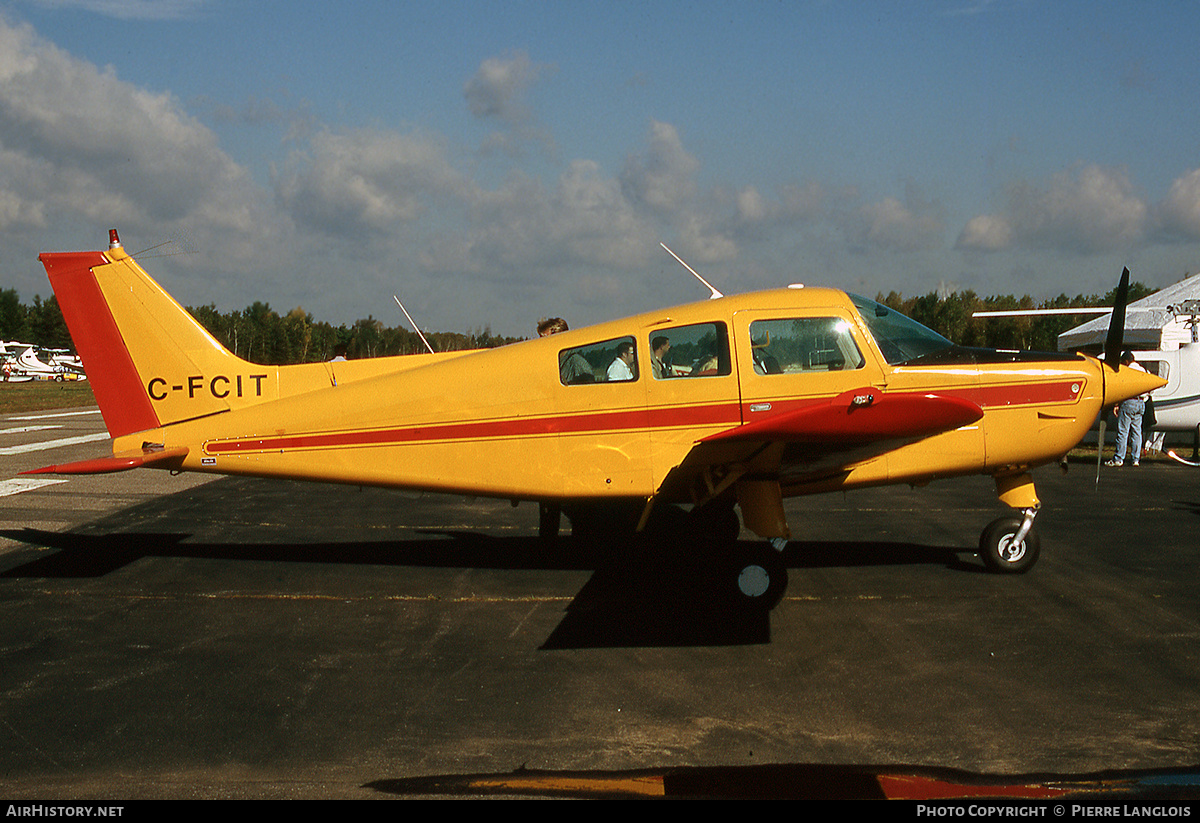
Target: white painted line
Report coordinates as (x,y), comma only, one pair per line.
(24,429)
(61,414)
(25,484)
(52,444)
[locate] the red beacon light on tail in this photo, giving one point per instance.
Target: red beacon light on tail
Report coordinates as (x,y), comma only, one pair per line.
(114,242)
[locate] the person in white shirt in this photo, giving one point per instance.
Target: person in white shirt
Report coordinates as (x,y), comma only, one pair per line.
(621,367)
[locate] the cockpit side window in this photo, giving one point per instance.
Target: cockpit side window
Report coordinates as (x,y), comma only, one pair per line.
(609,361)
(700,350)
(804,344)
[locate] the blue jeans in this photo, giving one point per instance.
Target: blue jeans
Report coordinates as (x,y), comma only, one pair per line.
(1129,428)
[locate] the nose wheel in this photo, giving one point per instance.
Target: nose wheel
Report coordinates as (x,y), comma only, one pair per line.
(1010,545)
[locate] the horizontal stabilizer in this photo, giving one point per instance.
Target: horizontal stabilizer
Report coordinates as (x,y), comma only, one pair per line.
(860,416)
(123,461)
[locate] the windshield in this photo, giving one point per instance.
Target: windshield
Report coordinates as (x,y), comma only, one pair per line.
(899,338)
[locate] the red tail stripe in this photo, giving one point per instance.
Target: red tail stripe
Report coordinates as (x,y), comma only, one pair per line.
(115,382)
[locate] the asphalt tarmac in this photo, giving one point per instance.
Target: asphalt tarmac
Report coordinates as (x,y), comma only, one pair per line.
(167,637)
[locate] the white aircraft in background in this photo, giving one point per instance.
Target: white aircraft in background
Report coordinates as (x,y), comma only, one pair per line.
(1177,404)
(21,363)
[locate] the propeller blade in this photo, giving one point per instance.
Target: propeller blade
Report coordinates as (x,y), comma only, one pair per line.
(1100,449)
(1116,324)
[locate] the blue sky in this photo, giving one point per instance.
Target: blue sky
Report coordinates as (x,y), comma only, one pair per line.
(495,163)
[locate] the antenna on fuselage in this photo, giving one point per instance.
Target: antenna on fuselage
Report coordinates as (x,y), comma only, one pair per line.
(715,294)
(411,323)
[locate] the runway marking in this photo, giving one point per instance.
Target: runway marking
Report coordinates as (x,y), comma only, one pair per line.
(25,484)
(60,414)
(52,444)
(26,429)
(332,598)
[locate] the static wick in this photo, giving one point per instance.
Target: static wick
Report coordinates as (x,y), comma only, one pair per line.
(715,294)
(411,323)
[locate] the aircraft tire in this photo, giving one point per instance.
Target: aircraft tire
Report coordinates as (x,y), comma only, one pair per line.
(999,554)
(756,578)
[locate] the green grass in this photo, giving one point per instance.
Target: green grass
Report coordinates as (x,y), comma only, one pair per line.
(39,395)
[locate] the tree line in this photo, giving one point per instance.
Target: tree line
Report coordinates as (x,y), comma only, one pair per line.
(257,333)
(261,335)
(951,316)
(40,324)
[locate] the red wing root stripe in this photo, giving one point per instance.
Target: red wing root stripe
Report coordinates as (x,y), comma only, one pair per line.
(1025,394)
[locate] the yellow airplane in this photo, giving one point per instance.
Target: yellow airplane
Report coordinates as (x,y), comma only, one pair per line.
(731,403)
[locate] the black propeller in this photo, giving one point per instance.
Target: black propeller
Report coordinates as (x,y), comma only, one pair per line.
(1113,345)
(1115,342)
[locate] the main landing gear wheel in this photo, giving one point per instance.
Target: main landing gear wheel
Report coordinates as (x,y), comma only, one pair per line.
(1001,553)
(756,578)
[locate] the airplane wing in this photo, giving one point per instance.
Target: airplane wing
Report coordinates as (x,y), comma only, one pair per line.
(860,416)
(820,439)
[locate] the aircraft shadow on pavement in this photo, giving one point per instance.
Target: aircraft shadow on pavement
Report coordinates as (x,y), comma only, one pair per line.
(1191,506)
(637,596)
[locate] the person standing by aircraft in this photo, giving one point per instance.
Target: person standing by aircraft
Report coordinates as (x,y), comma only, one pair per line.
(1129,421)
(552,325)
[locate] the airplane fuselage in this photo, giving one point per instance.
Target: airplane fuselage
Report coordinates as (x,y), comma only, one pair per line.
(504,422)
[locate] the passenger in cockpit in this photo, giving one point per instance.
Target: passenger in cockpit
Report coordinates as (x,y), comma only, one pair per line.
(622,366)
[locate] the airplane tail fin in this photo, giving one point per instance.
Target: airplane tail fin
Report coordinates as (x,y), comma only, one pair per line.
(148,361)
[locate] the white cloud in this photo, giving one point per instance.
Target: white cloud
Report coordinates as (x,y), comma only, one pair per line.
(366,181)
(987,232)
(704,244)
(131,9)
(525,231)
(907,226)
(1087,210)
(761,217)
(662,178)
(497,89)
(77,141)
(1180,210)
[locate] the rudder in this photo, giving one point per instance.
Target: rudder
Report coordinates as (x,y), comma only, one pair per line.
(150,363)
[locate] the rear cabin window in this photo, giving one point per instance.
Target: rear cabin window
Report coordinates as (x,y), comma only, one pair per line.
(700,350)
(609,361)
(806,344)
